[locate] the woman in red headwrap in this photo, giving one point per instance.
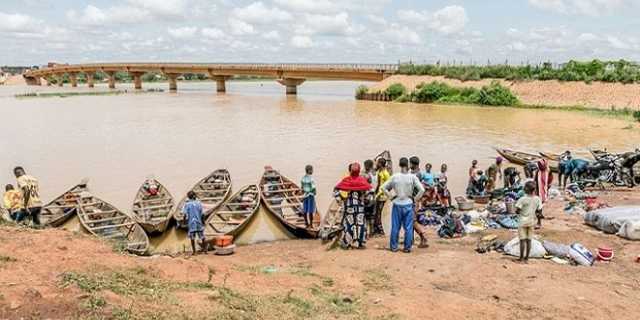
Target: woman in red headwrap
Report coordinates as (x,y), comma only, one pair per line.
(353,220)
(543,179)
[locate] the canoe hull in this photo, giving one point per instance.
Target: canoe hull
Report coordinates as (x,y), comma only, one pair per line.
(153,213)
(203,187)
(522,158)
(61,209)
(218,221)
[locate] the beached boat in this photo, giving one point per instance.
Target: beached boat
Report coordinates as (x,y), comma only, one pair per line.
(212,191)
(332,222)
(107,222)
(522,158)
(550,156)
(153,206)
(62,208)
(235,214)
(283,198)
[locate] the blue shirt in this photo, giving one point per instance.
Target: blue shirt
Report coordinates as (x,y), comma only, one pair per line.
(308,185)
(427,178)
(192,211)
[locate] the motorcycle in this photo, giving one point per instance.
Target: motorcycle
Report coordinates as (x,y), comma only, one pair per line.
(615,169)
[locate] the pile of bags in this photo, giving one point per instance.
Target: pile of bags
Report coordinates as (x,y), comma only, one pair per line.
(623,221)
(564,254)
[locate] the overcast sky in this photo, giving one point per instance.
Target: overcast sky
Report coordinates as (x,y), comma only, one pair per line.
(384,31)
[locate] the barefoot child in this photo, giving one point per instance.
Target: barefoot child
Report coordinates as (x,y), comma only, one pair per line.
(527,208)
(192,211)
(309,203)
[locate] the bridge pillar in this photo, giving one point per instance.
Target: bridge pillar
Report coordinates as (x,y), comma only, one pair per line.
(60,80)
(73,78)
(173,81)
(220,82)
(112,79)
(291,84)
(46,80)
(137,79)
(90,76)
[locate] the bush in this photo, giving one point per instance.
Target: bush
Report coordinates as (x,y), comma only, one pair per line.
(497,95)
(361,90)
(433,91)
(636,115)
(396,90)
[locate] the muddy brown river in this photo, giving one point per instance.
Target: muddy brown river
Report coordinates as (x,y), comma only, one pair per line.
(119,140)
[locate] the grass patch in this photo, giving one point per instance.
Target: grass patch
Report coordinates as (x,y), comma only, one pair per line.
(377,280)
(4,259)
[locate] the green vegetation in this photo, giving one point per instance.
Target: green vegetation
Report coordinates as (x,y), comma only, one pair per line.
(636,115)
(606,71)
(395,91)
(361,90)
(377,280)
(492,95)
(6,259)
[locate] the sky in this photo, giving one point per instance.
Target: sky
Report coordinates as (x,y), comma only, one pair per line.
(34,32)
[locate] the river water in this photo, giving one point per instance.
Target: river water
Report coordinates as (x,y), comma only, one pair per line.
(119,140)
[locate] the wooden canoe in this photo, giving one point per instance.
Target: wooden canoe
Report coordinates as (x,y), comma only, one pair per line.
(550,156)
(235,214)
(283,198)
(62,208)
(153,206)
(522,158)
(212,191)
(332,222)
(105,221)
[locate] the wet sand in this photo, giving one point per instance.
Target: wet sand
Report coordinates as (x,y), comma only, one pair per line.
(303,279)
(552,93)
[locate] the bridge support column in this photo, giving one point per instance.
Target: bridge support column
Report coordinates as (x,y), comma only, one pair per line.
(60,80)
(220,82)
(46,80)
(291,84)
(112,79)
(173,81)
(90,76)
(137,79)
(73,78)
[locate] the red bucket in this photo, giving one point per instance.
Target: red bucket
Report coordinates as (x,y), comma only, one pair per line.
(223,241)
(605,254)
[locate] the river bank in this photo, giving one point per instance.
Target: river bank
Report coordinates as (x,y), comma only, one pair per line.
(551,93)
(73,275)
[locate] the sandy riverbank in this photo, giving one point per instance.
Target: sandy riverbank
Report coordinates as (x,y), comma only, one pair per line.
(548,93)
(59,274)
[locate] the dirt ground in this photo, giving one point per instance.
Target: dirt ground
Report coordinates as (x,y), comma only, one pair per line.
(57,274)
(548,93)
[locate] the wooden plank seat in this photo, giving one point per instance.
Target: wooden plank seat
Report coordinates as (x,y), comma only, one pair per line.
(114,226)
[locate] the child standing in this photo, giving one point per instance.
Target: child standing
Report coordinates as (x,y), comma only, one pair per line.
(13,203)
(308,185)
(527,208)
(192,211)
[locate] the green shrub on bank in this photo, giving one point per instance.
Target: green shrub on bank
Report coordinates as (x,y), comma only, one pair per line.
(636,115)
(395,91)
(361,91)
(493,95)
(606,71)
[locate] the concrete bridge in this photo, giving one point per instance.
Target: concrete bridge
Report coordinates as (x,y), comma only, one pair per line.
(289,75)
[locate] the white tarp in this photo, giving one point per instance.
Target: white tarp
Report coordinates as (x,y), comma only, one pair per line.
(624,221)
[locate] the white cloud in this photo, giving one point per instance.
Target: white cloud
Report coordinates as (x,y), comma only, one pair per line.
(258,13)
(328,25)
(272,35)
(588,37)
(583,7)
(94,16)
(617,43)
(301,42)
(182,32)
(451,19)
(312,6)
(239,27)
(163,8)
(517,46)
(212,33)
(18,23)
(401,35)
(448,20)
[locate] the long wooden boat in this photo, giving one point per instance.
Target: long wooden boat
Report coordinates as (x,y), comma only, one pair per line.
(235,214)
(212,191)
(153,206)
(550,156)
(283,198)
(107,222)
(331,224)
(522,158)
(62,208)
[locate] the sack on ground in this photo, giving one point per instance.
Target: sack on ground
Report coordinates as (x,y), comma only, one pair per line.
(630,230)
(512,248)
(581,255)
(556,249)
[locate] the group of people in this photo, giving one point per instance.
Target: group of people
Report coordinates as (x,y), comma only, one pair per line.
(482,183)
(364,193)
(23,203)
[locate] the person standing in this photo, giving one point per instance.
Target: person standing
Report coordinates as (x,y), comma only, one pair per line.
(444,195)
(353,219)
(527,208)
(407,189)
(30,194)
(381,198)
(192,211)
(494,172)
(308,186)
(370,175)
(13,203)
(472,170)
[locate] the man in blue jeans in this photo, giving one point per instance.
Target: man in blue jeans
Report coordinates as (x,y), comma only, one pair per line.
(406,188)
